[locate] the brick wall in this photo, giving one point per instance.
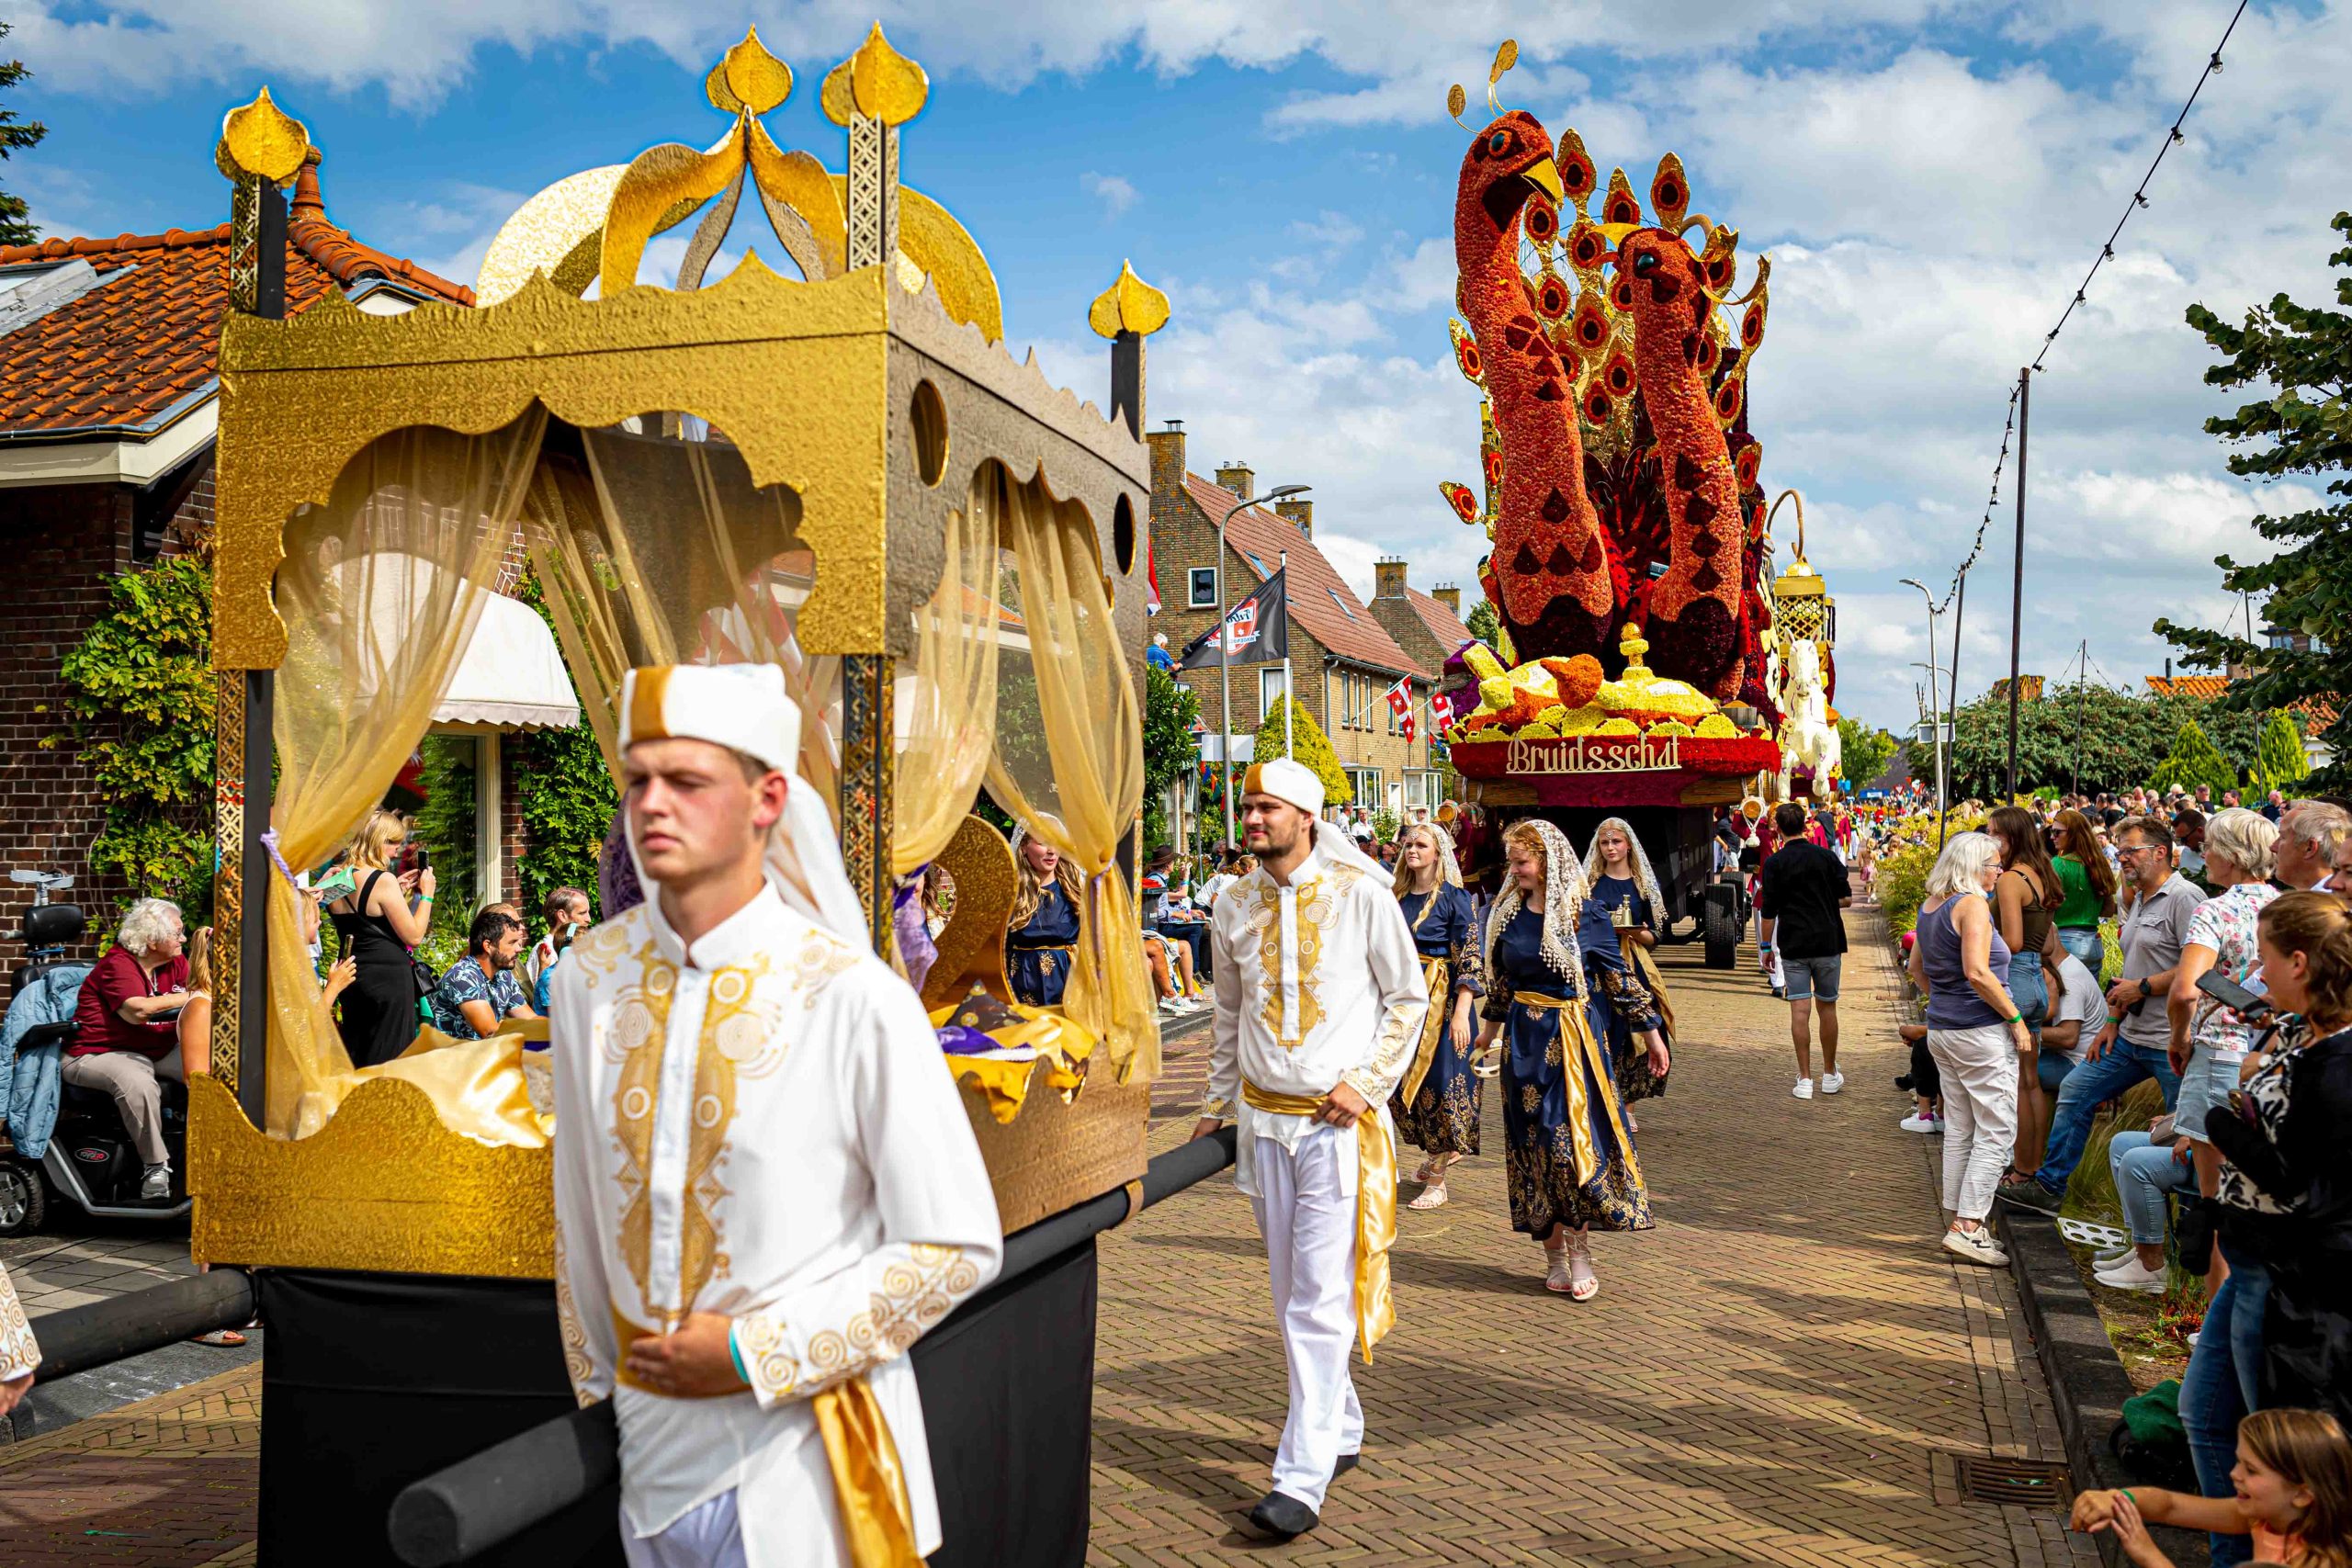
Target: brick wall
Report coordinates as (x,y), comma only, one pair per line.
(62,544)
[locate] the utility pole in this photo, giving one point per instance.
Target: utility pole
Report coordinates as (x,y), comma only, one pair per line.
(2082,679)
(2017,572)
(1951,698)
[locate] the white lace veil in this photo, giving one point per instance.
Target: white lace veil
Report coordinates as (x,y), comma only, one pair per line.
(1644,878)
(1564,892)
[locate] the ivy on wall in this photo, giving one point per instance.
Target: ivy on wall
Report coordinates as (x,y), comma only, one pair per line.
(567,800)
(139,708)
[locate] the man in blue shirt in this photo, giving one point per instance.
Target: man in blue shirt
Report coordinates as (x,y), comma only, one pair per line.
(481,989)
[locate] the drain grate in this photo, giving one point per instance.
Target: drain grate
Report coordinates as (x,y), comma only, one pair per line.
(2013,1482)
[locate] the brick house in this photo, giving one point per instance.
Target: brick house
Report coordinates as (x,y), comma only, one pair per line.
(1428,626)
(108,412)
(1343,659)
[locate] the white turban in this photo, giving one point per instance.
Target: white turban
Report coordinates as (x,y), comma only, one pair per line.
(1285,779)
(744,708)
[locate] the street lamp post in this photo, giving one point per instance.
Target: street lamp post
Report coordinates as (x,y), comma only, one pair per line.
(1934,717)
(1225,652)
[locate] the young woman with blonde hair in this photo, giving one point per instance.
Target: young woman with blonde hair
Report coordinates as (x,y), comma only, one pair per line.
(1436,1102)
(381,921)
(1041,934)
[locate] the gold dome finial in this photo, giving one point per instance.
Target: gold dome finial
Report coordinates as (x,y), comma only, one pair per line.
(1128,305)
(877,81)
(260,141)
(748,78)
(1633,645)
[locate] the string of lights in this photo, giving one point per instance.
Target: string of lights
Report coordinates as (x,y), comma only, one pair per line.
(2173,138)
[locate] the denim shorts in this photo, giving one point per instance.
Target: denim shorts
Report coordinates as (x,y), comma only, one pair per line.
(2086,943)
(2030,989)
(1813,979)
(2203,1087)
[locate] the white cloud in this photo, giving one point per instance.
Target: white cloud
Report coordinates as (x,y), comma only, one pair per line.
(1115,194)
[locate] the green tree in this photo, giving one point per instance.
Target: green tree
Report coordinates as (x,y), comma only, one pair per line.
(2297,360)
(15,225)
(445,825)
(1863,751)
(2193,760)
(567,797)
(2085,736)
(139,706)
(1485,624)
(1171,750)
(1313,749)
(2280,760)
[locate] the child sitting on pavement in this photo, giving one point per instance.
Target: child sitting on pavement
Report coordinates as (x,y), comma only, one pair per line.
(2294,1497)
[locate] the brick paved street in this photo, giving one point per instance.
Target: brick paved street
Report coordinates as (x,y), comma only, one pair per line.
(1763,1380)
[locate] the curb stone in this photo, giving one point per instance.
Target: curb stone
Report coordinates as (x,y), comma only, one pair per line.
(2088,1383)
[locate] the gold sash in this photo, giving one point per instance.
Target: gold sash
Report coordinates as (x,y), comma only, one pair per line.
(1637,958)
(1376,1208)
(1438,972)
(869,1483)
(1579,1049)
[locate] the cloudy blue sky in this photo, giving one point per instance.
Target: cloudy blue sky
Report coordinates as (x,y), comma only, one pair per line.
(1929,176)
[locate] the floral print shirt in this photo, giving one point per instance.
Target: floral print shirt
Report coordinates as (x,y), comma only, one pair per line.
(2226,924)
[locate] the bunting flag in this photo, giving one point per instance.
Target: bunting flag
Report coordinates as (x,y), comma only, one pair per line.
(1257,630)
(1409,726)
(1400,698)
(1441,709)
(1150,581)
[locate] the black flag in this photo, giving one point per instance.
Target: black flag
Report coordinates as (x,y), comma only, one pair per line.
(1258,630)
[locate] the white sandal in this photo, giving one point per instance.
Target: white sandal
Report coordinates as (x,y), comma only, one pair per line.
(1583,1283)
(1557,1278)
(1432,1197)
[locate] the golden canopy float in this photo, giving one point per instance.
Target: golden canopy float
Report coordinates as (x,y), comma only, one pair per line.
(831,464)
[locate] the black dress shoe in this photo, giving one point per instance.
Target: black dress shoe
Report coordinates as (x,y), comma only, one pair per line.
(1280,1516)
(1347,1462)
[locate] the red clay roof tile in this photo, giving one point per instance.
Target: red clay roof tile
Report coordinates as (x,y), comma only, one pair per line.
(1320,599)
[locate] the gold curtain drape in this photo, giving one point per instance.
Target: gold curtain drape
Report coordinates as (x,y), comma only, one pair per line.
(945,700)
(1068,757)
(379,592)
(653,546)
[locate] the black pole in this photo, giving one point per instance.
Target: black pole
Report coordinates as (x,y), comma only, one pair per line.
(76,1339)
(2017,573)
(2082,679)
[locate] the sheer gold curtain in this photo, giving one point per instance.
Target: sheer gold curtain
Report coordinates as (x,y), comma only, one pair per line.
(380,590)
(1068,757)
(653,546)
(945,701)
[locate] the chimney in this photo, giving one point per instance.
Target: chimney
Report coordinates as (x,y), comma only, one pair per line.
(1167,457)
(1237,478)
(1447,594)
(1388,578)
(1299,512)
(307,203)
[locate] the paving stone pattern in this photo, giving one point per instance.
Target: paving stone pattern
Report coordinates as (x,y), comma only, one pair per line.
(1763,1378)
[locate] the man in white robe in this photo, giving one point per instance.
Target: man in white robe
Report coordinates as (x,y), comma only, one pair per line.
(766,1189)
(1319,1002)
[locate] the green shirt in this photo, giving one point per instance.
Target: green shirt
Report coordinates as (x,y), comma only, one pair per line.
(2081,905)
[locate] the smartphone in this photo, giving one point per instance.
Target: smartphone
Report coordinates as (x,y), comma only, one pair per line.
(424,858)
(2230,993)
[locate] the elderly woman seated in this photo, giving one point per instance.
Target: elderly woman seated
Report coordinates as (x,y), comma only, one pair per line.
(124,1037)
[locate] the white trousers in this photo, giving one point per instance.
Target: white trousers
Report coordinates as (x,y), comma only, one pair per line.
(1307,1211)
(1980,1074)
(706,1536)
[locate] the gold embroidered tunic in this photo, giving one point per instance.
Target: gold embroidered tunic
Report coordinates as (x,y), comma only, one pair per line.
(766,1131)
(1316,984)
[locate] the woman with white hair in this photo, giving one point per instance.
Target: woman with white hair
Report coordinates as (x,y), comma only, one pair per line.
(2209,1041)
(1975,1033)
(124,1038)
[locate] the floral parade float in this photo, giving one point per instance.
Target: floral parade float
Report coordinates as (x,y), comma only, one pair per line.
(1642,665)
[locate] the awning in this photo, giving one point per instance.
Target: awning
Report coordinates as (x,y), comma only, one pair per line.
(512,676)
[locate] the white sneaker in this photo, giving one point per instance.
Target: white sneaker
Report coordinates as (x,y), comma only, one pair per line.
(1804,1089)
(2112,1256)
(1832,1082)
(158,1182)
(2132,1275)
(1976,1247)
(1915,1122)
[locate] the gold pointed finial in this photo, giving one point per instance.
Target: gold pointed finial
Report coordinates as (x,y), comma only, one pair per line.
(877,81)
(260,140)
(748,77)
(1128,305)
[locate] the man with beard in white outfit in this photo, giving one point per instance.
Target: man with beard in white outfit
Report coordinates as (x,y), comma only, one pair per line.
(1319,1003)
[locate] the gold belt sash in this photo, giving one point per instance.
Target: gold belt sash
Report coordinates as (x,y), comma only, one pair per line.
(869,1483)
(1579,1049)
(1375,1207)
(1438,972)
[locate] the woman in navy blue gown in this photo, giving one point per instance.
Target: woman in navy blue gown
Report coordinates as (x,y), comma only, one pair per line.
(1436,1102)
(1618,871)
(1551,998)
(1041,934)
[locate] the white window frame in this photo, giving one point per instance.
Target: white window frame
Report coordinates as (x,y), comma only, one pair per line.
(1203,592)
(1269,693)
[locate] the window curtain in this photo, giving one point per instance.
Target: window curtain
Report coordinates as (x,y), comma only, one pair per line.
(1068,757)
(652,546)
(946,702)
(379,592)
